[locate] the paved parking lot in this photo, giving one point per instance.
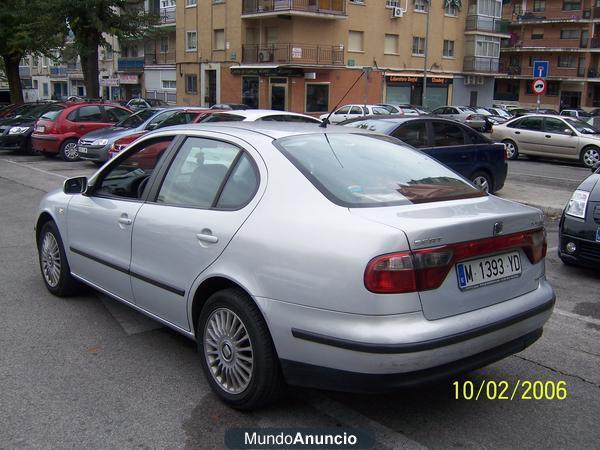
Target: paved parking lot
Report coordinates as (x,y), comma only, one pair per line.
(88,372)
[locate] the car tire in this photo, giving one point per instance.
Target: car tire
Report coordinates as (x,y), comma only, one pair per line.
(512,150)
(68,150)
(221,350)
(54,266)
(590,156)
(483,181)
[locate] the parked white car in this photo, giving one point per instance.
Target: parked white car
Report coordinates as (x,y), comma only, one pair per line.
(354,111)
(259,115)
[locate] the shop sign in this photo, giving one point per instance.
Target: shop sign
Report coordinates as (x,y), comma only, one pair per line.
(297,52)
(268,72)
(125,78)
(403,79)
(109,82)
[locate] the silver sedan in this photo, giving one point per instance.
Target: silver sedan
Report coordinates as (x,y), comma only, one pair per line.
(325,257)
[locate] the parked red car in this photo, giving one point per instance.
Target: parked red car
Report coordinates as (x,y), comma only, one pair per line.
(57,132)
(188,115)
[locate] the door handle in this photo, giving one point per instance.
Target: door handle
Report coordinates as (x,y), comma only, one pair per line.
(517,132)
(548,136)
(125,221)
(207,238)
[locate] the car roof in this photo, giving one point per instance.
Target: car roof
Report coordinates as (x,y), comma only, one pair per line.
(258,113)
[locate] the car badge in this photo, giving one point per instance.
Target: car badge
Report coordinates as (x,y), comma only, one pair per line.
(498,226)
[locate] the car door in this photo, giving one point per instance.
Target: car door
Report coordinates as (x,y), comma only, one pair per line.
(100,222)
(86,119)
(449,146)
(560,139)
(205,196)
(528,134)
(340,115)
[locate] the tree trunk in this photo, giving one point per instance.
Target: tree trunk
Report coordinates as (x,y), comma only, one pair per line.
(89,63)
(11,65)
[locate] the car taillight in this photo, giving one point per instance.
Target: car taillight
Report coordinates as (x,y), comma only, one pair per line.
(469,117)
(424,270)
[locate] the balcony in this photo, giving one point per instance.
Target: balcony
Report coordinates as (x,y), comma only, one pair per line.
(594,43)
(293,54)
(553,14)
(509,69)
(24,71)
(487,24)
(58,71)
(154,58)
(73,67)
(167,15)
(327,9)
(481,64)
(135,64)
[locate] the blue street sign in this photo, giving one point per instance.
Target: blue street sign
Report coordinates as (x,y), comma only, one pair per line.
(540,69)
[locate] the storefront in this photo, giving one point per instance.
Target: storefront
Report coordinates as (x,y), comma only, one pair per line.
(130,86)
(110,88)
(403,88)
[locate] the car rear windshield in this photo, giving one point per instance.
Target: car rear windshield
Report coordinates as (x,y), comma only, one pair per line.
(380,126)
(52,114)
(359,170)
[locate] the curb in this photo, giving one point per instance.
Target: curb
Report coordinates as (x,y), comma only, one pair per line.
(549,211)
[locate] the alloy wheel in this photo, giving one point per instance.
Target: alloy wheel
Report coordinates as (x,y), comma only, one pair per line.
(511,150)
(70,151)
(482,183)
(50,257)
(228,351)
(591,157)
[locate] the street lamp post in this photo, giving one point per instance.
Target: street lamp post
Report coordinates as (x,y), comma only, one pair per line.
(424,97)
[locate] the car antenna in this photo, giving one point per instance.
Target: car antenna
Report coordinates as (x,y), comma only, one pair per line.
(326,121)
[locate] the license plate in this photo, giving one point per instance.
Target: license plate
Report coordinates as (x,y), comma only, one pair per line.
(81,149)
(489,270)
(40,128)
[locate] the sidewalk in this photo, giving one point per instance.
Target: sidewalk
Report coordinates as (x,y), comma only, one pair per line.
(550,201)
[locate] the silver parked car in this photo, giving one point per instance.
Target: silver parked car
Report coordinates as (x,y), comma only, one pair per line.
(463,114)
(329,257)
(549,136)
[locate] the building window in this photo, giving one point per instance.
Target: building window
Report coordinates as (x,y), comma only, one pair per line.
(539,5)
(451,10)
(421,5)
(571,5)
(391,44)
(552,88)
(164,44)
(355,41)
(567,61)
(250,91)
(169,84)
(492,8)
(487,46)
(191,42)
(219,41)
(190,3)
(317,98)
(45,89)
(191,84)
(448,49)
(108,52)
(537,33)
(358,2)
(418,46)
(531,59)
(569,34)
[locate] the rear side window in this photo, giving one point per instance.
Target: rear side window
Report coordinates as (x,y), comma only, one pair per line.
(355,170)
(241,185)
(52,114)
(475,138)
(447,134)
(179,118)
(91,113)
(217,117)
(414,134)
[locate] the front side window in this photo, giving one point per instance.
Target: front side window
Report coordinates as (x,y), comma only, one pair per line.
(343,110)
(197,173)
(129,177)
(555,126)
(136,119)
(414,134)
(447,134)
(178,118)
(355,170)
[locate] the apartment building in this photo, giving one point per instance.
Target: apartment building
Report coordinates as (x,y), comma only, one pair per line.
(563,32)
(303,55)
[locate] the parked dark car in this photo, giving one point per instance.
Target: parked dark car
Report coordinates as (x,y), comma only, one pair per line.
(458,146)
(230,106)
(94,146)
(579,229)
(15,132)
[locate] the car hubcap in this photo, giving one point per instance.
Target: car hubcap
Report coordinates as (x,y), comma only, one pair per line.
(591,157)
(481,183)
(510,149)
(228,351)
(50,256)
(71,151)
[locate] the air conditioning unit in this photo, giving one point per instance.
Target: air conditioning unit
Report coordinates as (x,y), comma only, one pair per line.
(397,12)
(480,80)
(265,56)
(468,80)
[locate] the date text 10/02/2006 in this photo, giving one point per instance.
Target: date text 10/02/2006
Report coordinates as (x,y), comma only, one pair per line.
(504,390)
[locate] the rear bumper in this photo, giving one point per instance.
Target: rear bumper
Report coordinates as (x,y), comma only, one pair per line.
(46,143)
(301,374)
(403,346)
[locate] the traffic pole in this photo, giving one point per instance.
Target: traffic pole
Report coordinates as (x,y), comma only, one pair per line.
(539,100)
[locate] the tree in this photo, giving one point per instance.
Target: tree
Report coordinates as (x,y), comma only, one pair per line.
(90,20)
(26,27)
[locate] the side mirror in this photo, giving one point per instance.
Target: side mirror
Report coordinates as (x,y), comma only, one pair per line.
(152,126)
(568,132)
(77,185)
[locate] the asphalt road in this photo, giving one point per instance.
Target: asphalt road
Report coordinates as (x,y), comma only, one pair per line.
(86,372)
